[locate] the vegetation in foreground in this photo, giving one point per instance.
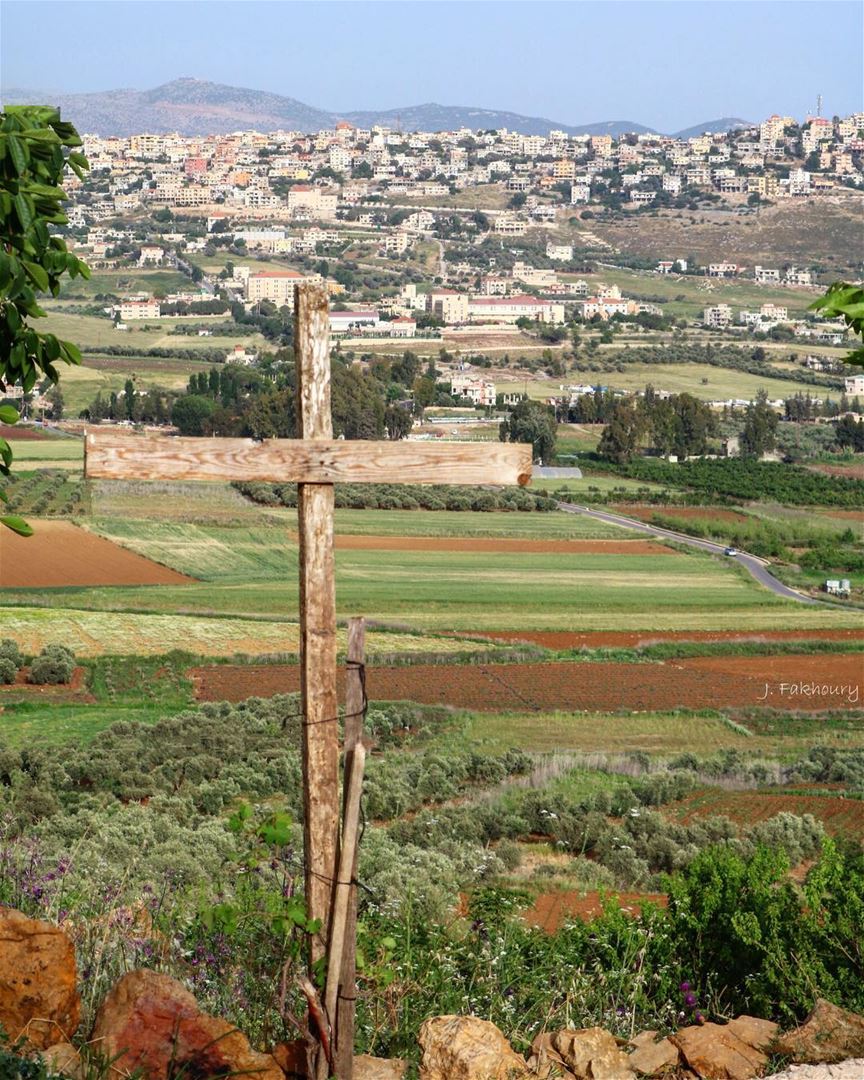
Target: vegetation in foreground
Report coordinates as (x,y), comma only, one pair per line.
(177,847)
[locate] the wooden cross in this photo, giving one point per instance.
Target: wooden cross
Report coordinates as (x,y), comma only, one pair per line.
(314,461)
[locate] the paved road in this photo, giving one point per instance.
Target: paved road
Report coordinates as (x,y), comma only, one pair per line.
(755,566)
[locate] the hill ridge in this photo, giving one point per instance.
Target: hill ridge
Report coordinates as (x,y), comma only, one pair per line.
(194,106)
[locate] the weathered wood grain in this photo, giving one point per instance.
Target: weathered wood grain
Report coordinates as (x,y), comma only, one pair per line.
(308,461)
(315,504)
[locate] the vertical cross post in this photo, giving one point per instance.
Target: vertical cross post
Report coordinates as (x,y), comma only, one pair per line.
(315,504)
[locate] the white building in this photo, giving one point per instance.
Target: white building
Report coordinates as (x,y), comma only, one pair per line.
(717,317)
(479,391)
(509,309)
(343,322)
(139,309)
(559,252)
(765,275)
(277,286)
(151,255)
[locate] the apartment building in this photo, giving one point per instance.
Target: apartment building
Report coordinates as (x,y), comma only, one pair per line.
(511,308)
(765,275)
(722,270)
(717,317)
(277,286)
(317,202)
(450,306)
(559,252)
(139,309)
(506,225)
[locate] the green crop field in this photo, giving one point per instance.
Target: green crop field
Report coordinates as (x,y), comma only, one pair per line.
(47,450)
(251,571)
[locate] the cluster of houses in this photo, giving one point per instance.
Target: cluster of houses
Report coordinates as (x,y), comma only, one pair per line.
(251,170)
(770,315)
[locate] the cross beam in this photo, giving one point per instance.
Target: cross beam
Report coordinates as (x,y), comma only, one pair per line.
(312,460)
(315,462)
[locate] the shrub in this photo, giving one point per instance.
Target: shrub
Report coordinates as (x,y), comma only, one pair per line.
(9,651)
(54,665)
(8,670)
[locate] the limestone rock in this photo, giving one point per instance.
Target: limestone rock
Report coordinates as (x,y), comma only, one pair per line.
(652,1058)
(467,1048)
(38,995)
(372,1068)
(757,1033)
(717,1053)
(545,1062)
(584,1053)
(828,1034)
(63,1058)
(150,1022)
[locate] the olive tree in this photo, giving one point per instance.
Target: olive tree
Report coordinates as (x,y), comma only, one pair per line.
(36,147)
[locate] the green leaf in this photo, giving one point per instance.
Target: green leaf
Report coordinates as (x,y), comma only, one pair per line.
(71,352)
(8,415)
(16,524)
(37,275)
(24,209)
(19,153)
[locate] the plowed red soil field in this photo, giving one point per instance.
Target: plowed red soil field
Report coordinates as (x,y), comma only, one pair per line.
(21,689)
(59,553)
(22,433)
(699,683)
(844,515)
(608,639)
(551,910)
(703,513)
(490,544)
(838,815)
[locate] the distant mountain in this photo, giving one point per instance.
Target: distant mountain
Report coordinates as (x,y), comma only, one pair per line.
(432,117)
(196,107)
(190,106)
(713,127)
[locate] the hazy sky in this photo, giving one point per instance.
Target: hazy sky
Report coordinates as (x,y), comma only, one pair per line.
(667,64)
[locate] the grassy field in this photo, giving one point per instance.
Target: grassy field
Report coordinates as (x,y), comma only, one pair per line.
(653,733)
(95,633)
(47,451)
(124,282)
(103,374)
(88,330)
(687,295)
(41,454)
(701,380)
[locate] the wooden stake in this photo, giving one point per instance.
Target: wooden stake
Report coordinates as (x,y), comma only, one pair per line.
(340,936)
(317,618)
(355,703)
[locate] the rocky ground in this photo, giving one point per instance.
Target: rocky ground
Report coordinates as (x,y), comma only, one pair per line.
(150,1024)
(853,1069)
